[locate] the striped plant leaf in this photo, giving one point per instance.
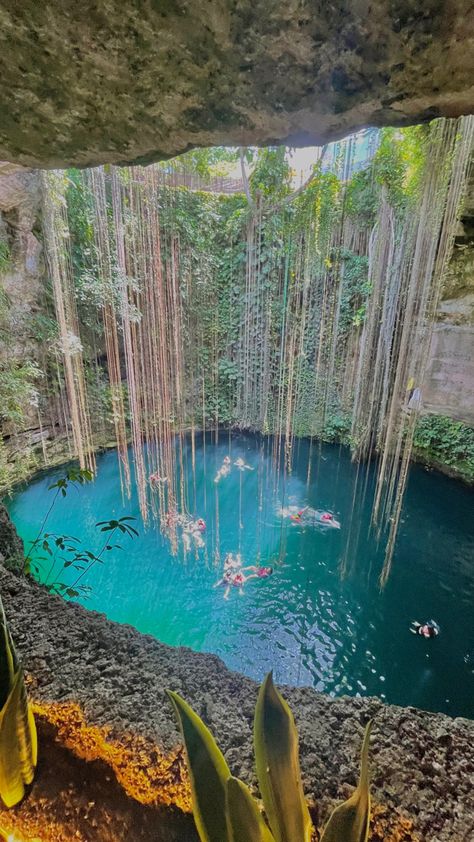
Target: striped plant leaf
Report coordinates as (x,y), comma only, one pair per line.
(246,823)
(278,768)
(18,740)
(208,773)
(350,821)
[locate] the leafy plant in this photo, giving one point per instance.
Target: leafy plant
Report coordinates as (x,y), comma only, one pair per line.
(68,553)
(448,442)
(18,391)
(74,477)
(18,740)
(224,809)
(5,255)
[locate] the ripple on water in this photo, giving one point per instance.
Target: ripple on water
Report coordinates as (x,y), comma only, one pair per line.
(341,636)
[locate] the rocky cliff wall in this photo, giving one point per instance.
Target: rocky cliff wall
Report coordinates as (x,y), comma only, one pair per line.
(449,384)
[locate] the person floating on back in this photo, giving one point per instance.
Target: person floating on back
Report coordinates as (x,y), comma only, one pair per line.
(428,629)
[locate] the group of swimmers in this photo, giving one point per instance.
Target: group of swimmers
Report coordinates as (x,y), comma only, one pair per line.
(235,575)
(192,530)
(226,467)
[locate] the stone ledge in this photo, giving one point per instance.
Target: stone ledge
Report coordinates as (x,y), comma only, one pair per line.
(115,82)
(101,685)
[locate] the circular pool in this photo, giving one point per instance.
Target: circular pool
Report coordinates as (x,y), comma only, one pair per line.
(320,618)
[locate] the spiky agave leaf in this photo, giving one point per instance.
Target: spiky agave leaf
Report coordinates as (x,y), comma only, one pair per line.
(246,823)
(18,740)
(208,773)
(350,821)
(278,768)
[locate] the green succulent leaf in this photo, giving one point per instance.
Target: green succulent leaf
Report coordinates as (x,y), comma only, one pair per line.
(246,823)
(278,768)
(18,744)
(208,773)
(350,821)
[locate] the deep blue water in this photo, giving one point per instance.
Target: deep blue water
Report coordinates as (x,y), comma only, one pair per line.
(340,635)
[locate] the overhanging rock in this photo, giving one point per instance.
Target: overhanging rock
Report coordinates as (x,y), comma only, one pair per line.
(86,83)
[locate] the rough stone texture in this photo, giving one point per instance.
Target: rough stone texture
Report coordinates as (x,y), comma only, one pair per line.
(11,545)
(101,686)
(20,204)
(110,81)
(449,383)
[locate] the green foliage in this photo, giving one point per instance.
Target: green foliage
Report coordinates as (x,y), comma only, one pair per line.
(395,170)
(5,256)
(337,427)
(51,554)
(207,162)
(18,740)
(224,809)
(278,768)
(441,440)
(18,390)
(355,291)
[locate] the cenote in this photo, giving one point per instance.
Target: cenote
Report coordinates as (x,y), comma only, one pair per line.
(312,626)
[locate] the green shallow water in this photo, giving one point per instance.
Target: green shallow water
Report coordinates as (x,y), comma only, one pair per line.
(304,622)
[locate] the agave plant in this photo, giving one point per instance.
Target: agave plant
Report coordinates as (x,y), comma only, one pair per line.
(18,742)
(225,810)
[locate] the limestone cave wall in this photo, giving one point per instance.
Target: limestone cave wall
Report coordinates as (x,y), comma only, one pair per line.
(449,385)
(97,82)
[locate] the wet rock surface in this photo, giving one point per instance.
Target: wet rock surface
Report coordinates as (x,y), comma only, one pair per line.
(101,686)
(86,83)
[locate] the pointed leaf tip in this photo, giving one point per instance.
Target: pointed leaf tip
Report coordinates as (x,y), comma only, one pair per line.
(278,768)
(208,773)
(350,821)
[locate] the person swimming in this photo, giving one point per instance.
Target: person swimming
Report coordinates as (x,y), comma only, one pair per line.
(224,470)
(428,629)
(310,517)
(240,464)
(258,572)
(234,575)
(156,479)
(297,517)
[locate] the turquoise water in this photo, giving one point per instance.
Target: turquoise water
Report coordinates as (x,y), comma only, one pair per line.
(342,636)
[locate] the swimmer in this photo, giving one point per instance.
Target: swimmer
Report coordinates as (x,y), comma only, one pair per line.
(232,579)
(258,572)
(155,479)
(296,518)
(224,470)
(231,563)
(198,540)
(201,524)
(429,629)
(240,464)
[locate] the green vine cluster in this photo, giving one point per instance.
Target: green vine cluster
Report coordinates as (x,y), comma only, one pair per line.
(292,240)
(441,441)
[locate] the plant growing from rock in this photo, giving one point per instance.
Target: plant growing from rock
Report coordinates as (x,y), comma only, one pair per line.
(61,552)
(18,741)
(224,808)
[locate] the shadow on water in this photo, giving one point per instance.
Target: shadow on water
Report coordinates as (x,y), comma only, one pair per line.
(340,635)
